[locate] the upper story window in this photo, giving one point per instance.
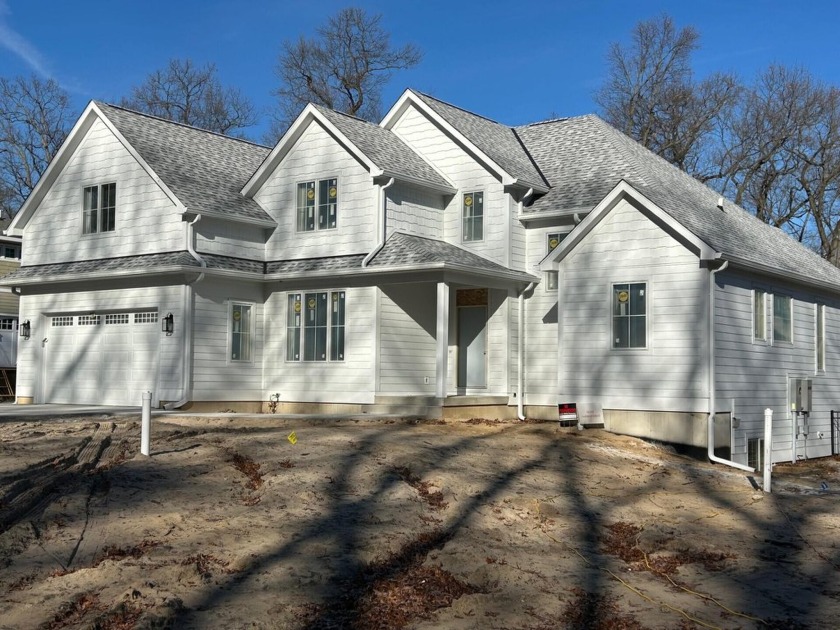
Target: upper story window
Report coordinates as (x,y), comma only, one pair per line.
(553,239)
(99,209)
(317,205)
(783,318)
(629,315)
(473,216)
(759,315)
(11,251)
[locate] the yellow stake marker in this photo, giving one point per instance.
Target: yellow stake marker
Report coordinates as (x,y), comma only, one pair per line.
(292,437)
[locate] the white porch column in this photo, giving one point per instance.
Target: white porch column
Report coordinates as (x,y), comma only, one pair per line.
(441,376)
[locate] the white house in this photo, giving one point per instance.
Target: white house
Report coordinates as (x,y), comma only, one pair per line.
(437,263)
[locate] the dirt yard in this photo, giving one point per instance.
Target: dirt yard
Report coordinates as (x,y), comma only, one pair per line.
(393,524)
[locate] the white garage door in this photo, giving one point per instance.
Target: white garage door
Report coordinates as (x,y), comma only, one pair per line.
(102,359)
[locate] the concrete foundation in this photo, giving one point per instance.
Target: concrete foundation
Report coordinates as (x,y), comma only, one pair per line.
(689,429)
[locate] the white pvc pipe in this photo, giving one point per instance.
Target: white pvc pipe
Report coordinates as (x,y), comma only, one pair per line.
(146,424)
(768,448)
(711,420)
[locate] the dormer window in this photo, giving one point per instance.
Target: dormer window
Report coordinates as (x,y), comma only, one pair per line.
(317,205)
(99,209)
(473,216)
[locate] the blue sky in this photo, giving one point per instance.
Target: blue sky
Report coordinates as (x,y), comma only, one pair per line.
(515,62)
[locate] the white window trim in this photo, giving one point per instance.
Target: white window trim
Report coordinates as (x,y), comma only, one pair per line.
(819,336)
(337,205)
(328,360)
(229,326)
(99,183)
(772,333)
(648,316)
(766,338)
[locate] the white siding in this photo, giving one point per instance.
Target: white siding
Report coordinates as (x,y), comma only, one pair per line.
(315,156)
(230,239)
(755,373)
(415,211)
(518,238)
(55,232)
(348,381)
(407,346)
(215,376)
(468,176)
(39,307)
(671,373)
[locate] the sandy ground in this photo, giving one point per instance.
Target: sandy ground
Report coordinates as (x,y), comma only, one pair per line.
(390,524)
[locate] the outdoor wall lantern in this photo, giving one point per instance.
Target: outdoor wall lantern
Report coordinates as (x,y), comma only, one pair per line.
(25,329)
(168,324)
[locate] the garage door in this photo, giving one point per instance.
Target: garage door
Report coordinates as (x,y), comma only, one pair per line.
(102,359)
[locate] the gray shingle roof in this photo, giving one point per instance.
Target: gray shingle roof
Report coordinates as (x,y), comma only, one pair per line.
(407,250)
(205,170)
(584,158)
(315,265)
(384,148)
(148,262)
(499,142)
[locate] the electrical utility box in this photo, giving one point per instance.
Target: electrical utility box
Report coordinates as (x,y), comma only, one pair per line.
(800,395)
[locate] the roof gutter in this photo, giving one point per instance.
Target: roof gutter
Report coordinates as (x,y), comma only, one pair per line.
(712,401)
(381,202)
(189,298)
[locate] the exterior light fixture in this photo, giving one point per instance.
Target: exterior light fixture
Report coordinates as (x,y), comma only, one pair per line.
(168,324)
(25,329)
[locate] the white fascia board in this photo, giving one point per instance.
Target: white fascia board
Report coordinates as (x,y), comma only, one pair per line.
(309,115)
(145,166)
(266,223)
(409,98)
(446,190)
(65,153)
(620,192)
(748,265)
(368,271)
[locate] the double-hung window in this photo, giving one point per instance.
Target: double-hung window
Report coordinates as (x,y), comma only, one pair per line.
(629,315)
(317,205)
(99,208)
(783,318)
(241,324)
(315,324)
(473,216)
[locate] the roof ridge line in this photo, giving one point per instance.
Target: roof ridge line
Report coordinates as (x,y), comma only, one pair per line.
(643,174)
(466,111)
(180,124)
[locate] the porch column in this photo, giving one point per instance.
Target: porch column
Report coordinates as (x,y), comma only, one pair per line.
(442,339)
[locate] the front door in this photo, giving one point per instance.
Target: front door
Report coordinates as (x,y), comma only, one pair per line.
(472,346)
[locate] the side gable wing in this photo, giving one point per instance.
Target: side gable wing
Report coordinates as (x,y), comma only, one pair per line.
(68,149)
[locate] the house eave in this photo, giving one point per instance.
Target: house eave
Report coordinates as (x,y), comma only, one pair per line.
(782,274)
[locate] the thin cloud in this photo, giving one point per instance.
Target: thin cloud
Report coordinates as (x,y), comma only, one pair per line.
(17,44)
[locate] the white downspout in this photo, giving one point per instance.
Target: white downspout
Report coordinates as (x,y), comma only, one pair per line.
(711,420)
(520,380)
(381,199)
(186,388)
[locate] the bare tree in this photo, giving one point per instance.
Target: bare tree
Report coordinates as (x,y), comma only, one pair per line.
(35,121)
(193,95)
(343,68)
(650,94)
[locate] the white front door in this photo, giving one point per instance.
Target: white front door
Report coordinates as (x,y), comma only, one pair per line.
(472,346)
